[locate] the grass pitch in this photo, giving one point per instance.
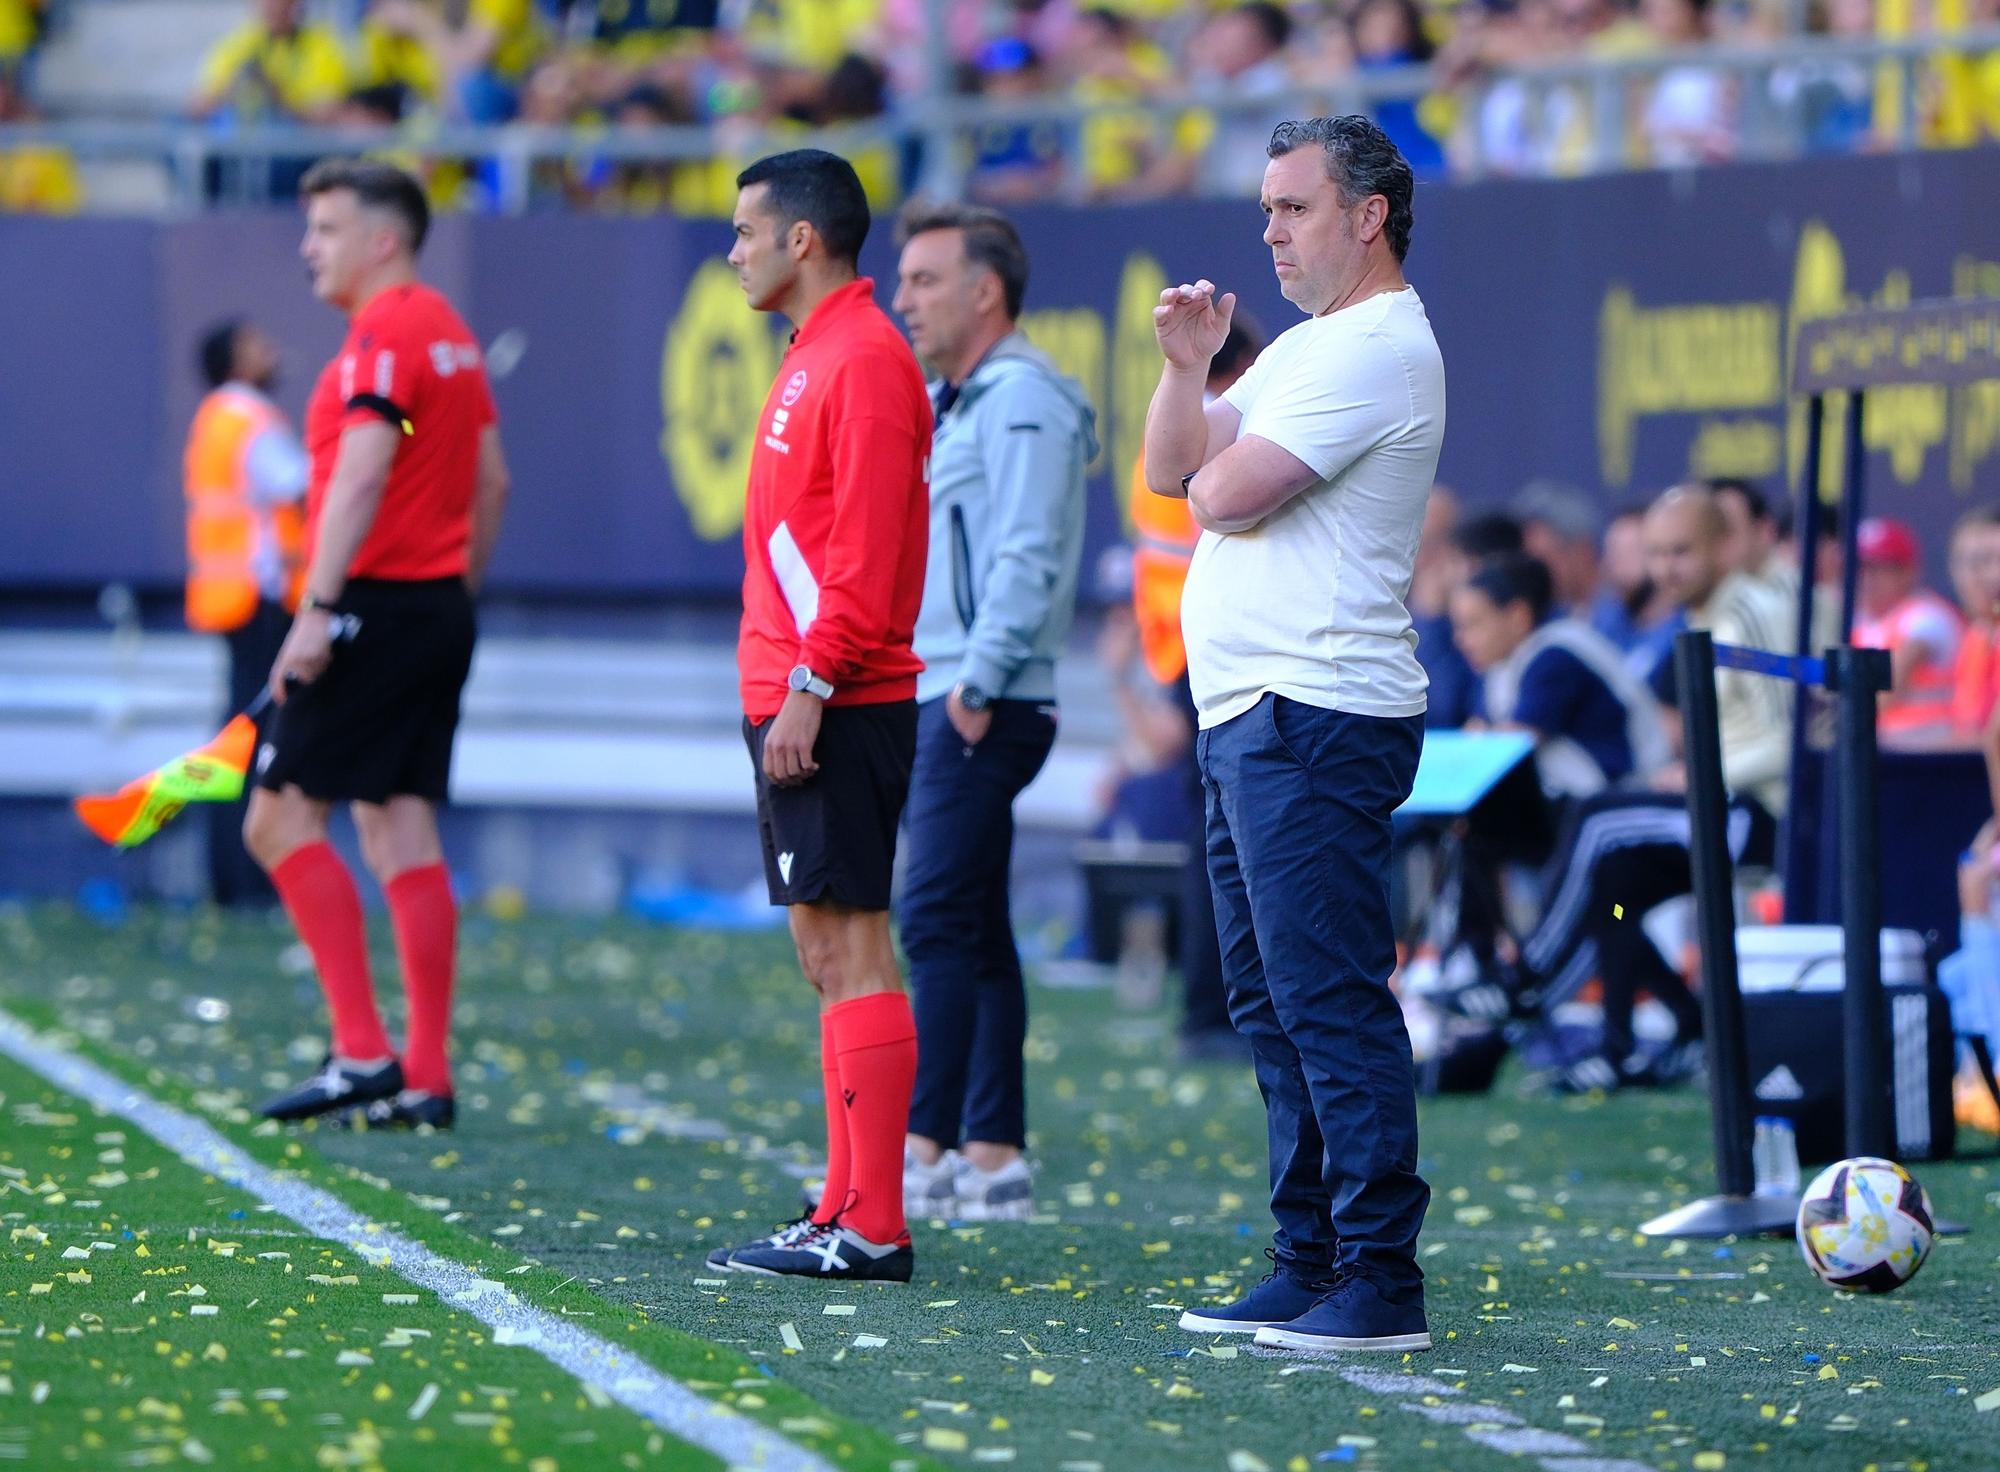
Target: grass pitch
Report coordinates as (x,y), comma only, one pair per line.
(630,1097)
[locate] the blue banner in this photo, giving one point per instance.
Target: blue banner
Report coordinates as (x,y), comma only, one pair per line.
(1620,333)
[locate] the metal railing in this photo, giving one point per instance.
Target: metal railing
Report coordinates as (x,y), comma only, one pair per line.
(1764,98)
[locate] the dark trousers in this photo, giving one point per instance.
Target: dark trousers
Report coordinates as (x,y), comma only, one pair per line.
(1299,807)
(958,931)
(234,878)
(1204,1002)
(1619,855)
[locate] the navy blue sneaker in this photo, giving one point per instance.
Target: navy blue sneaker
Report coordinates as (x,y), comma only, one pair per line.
(1354,1315)
(1279,1299)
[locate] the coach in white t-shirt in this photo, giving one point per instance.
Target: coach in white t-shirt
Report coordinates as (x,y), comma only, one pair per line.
(1309,479)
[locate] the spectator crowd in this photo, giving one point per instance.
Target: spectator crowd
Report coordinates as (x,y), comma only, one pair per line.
(1174,92)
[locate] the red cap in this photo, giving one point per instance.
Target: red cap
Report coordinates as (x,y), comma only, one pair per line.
(1881,540)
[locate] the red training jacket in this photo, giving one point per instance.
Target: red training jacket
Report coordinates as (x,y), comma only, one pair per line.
(836,523)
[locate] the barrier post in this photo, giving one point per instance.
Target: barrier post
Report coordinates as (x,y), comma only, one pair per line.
(1859,675)
(1736,1210)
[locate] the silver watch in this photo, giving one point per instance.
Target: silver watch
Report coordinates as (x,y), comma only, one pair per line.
(803,679)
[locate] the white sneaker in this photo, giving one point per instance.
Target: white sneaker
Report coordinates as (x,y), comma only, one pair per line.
(930,1190)
(1003,1195)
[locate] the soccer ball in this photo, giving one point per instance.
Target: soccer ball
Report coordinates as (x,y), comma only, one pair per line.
(1865,1225)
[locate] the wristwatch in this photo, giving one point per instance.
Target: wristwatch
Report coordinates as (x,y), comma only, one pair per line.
(803,679)
(973,698)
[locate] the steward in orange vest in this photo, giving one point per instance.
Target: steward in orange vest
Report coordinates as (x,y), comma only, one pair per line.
(245,477)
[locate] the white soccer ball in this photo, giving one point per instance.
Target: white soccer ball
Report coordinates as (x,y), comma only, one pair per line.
(1865,1225)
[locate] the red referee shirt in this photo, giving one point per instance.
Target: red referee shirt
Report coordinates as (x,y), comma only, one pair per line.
(408,359)
(836,523)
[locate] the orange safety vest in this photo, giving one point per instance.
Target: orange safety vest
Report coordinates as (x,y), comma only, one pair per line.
(224,523)
(1164,542)
(1926,706)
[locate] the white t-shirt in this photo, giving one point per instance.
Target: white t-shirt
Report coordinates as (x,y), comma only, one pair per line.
(1309,603)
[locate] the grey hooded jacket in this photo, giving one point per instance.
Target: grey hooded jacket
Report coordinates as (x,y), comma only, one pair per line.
(1007,467)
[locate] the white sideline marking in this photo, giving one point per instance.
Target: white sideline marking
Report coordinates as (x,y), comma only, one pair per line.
(617,1373)
(1489,1426)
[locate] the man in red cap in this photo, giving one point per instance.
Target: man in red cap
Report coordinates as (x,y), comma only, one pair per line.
(1919,629)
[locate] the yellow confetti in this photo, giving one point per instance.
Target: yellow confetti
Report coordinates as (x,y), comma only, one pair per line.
(944,1439)
(1710,1461)
(1040,1377)
(1827,1372)
(1622,1324)
(1617,912)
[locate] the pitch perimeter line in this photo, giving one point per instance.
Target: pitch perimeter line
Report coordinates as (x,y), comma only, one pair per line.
(618,1373)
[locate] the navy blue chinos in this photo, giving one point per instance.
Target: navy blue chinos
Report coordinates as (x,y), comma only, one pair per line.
(1299,802)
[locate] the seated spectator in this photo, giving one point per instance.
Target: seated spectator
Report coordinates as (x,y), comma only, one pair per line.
(1454,688)
(1432,578)
(1014,162)
(1919,629)
(276,67)
(1556,677)
(1111,65)
(1621,854)
(1236,59)
(1594,726)
(1561,526)
(35,178)
(1390,33)
(1688,116)
(1630,611)
(481,62)
(1975,577)
(1834,97)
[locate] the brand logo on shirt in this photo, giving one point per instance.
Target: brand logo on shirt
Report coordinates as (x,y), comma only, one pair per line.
(780,419)
(794,386)
(448,357)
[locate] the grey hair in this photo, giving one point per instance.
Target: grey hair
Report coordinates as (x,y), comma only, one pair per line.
(1360,160)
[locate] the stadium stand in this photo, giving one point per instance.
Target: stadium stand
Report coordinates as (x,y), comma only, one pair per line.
(637,106)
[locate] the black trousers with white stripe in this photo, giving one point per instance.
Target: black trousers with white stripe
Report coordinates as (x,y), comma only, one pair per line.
(1621,854)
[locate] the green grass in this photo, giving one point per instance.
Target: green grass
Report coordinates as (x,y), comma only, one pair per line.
(151,1310)
(589,1051)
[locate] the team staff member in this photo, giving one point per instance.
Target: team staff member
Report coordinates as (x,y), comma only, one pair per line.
(1309,479)
(1006,538)
(408,486)
(245,478)
(833,547)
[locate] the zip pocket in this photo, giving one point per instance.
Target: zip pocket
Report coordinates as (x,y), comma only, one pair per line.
(961,568)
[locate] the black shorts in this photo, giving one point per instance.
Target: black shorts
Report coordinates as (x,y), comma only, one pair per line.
(379,723)
(833,837)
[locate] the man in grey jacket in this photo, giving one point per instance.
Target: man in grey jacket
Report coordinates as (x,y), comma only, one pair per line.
(1007,469)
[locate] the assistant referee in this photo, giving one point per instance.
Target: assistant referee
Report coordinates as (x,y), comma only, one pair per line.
(407,488)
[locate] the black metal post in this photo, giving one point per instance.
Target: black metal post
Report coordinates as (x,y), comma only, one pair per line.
(1736,1210)
(1801,871)
(1860,675)
(1715,908)
(1853,506)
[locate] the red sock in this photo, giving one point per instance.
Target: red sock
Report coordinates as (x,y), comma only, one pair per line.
(875,1038)
(834,1197)
(426,921)
(325,907)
